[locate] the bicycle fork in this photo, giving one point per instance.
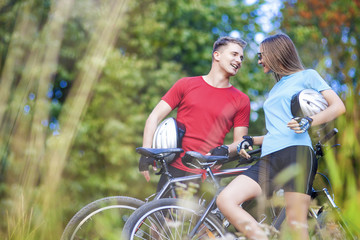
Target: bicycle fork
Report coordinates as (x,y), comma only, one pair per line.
(337,211)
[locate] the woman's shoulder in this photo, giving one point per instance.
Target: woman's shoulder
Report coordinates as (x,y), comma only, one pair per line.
(309,75)
(314,80)
(310,72)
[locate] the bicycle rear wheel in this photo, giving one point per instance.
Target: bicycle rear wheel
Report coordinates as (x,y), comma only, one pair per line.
(101,219)
(171,219)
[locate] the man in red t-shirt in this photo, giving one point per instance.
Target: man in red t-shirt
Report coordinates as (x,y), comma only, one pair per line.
(209,106)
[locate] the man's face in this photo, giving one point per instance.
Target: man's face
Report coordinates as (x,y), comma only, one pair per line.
(230,58)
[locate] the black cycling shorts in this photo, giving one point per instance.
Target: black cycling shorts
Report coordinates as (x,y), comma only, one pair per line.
(292,169)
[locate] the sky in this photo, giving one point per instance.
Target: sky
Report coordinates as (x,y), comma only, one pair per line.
(269,9)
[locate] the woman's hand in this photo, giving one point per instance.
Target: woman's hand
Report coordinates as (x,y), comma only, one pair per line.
(244,154)
(300,124)
(247,143)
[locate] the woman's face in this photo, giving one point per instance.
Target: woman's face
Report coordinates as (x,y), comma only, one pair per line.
(262,62)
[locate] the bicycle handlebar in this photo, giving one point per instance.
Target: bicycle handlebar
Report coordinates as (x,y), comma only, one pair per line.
(318,146)
(328,136)
(242,160)
(255,151)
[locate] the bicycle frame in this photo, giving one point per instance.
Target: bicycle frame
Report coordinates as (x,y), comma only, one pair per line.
(160,154)
(172,181)
(209,173)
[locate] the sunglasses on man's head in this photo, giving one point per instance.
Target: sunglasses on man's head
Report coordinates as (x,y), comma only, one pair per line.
(259,56)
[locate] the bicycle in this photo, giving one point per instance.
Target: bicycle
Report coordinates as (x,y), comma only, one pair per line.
(183,219)
(92,220)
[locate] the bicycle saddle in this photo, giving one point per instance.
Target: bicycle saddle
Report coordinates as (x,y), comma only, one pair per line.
(194,159)
(158,153)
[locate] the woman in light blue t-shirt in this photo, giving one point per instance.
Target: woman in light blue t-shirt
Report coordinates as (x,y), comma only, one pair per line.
(287,144)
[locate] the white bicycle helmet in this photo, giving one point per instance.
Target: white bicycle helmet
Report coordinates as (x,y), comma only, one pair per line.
(307,102)
(168,134)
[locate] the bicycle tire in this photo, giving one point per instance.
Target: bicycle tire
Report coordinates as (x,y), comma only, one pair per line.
(171,219)
(101,218)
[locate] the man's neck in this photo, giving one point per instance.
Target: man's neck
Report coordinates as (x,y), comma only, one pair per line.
(217,80)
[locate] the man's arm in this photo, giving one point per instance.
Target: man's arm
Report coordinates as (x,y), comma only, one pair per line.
(239,132)
(161,110)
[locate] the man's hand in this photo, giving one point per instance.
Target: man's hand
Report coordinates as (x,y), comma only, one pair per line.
(144,164)
(222,150)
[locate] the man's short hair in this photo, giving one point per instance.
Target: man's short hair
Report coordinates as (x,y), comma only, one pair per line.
(223,41)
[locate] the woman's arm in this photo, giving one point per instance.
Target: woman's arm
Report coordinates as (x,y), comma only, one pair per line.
(335,108)
(258,140)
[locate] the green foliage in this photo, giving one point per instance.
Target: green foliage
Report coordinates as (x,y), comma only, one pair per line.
(183,31)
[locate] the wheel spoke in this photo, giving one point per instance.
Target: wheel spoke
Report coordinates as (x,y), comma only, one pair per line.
(102,219)
(173,221)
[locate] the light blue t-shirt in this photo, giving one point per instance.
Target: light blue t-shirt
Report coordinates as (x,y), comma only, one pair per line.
(278,113)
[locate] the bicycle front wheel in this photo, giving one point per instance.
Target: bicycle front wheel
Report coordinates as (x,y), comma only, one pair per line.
(332,226)
(171,219)
(101,219)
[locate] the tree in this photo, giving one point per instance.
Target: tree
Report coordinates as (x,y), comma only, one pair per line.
(35,157)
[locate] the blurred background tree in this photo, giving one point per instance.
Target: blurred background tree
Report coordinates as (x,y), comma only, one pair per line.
(78,81)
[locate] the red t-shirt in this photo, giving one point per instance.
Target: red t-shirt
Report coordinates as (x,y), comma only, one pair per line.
(208,113)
